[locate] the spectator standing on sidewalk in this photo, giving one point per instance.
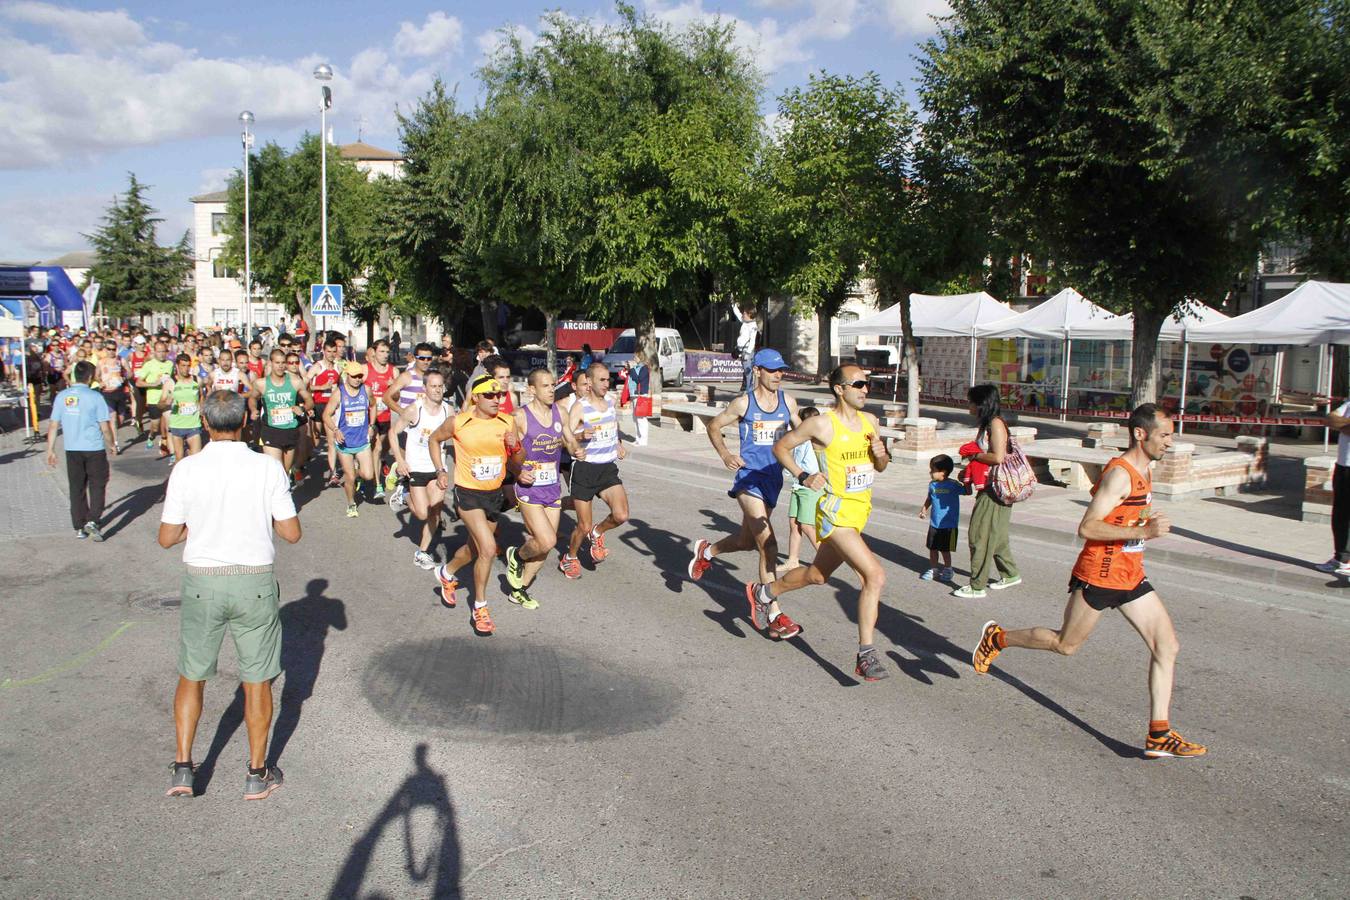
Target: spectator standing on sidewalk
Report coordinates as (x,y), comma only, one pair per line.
(81,413)
(745,346)
(990,519)
(223,504)
(1339,564)
(639,386)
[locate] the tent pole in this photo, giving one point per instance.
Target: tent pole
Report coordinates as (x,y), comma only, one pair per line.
(1185,368)
(1064,400)
(27,433)
(972,358)
(1321,357)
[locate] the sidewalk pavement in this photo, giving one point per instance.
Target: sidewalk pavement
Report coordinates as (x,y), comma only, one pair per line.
(1256,536)
(35,499)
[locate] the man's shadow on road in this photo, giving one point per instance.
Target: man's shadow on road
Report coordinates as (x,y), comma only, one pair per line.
(435,865)
(304,631)
(671,554)
(131,506)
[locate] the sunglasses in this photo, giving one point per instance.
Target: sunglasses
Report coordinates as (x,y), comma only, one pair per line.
(420,356)
(357,377)
(860,384)
(492,395)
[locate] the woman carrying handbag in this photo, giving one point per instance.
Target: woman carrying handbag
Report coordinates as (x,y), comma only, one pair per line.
(640,387)
(991,518)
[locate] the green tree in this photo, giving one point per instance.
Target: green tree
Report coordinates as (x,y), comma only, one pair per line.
(137,275)
(1130,140)
(284,210)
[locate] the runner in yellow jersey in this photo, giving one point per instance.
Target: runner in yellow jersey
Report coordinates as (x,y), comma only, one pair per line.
(850,452)
(485,444)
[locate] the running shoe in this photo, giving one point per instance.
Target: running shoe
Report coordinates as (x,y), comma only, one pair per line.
(334,479)
(598,551)
(783,628)
(948,573)
(378,496)
(987,651)
(1330,565)
(928,574)
(569,566)
(869,667)
(180,780)
(522,598)
(1173,745)
(81,534)
(424,560)
(173,460)
(482,622)
(351,511)
(117,449)
(260,787)
(1007,582)
(699,564)
(970,593)
(391,479)
(448,588)
(1343,570)
(92,530)
(515,570)
(149,442)
(759,607)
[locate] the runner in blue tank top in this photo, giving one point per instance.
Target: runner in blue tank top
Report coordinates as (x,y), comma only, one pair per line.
(349,419)
(764,416)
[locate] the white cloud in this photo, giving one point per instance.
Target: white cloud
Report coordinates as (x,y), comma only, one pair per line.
(914,17)
(215,179)
(490,42)
(66,94)
(772,45)
(439,34)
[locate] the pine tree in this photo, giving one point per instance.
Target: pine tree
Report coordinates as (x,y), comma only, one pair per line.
(137,275)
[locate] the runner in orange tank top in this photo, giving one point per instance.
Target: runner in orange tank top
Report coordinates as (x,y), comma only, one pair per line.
(1109,574)
(485,445)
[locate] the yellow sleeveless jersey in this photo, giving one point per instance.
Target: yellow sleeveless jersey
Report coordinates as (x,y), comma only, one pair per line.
(480,450)
(847,466)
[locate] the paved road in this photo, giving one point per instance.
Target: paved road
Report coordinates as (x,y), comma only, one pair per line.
(635,738)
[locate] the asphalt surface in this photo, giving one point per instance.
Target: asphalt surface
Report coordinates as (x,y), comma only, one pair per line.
(635,737)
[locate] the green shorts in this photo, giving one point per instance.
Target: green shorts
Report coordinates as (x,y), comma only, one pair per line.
(353,451)
(802,506)
(245,604)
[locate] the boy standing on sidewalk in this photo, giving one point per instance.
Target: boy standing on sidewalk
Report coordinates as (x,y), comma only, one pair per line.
(942,509)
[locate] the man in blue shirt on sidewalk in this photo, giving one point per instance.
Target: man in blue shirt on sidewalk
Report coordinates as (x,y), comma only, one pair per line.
(81,414)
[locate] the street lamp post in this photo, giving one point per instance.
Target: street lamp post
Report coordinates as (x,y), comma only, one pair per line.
(246,119)
(324,72)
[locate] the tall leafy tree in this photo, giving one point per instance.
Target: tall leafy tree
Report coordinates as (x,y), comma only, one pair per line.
(1131,140)
(284,209)
(137,275)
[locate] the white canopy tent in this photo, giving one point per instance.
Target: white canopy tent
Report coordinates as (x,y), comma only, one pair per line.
(12,329)
(935,315)
(1065,316)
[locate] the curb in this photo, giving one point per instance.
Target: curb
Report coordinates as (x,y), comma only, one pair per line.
(1199,562)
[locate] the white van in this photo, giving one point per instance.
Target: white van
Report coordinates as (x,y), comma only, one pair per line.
(670,350)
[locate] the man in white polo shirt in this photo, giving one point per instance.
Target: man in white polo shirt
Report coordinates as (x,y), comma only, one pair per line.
(225,502)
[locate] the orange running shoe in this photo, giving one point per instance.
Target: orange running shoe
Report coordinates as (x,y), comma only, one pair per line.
(598,551)
(759,609)
(448,587)
(482,622)
(569,566)
(987,650)
(699,564)
(783,628)
(1172,744)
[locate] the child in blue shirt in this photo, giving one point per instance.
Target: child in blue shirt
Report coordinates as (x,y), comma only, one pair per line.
(802,508)
(943,511)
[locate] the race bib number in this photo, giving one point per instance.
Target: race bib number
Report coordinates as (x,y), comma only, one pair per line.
(1137,546)
(858,478)
(606,433)
(545,473)
(380,406)
(187,409)
(356,418)
(485,468)
(280,416)
(766,433)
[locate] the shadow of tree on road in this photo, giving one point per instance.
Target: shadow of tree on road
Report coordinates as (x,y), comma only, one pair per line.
(431,860)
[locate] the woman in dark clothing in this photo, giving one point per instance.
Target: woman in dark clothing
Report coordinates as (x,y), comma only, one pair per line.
(990,519)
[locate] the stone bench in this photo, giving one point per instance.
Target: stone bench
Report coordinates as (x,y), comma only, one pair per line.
(1068,462)
(691,416)
(921,439)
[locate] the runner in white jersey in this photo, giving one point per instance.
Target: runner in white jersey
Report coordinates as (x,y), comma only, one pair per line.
(416,463)
(226,376)
(598,474)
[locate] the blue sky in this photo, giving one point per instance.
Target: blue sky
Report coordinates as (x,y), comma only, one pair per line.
(89,92)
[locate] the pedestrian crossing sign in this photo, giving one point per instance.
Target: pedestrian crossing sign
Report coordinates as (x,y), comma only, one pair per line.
(325,299)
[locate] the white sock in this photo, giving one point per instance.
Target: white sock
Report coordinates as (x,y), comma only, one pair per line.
(479,604)
(707,551)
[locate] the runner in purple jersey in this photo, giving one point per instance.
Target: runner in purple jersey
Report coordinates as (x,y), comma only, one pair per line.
(542,432)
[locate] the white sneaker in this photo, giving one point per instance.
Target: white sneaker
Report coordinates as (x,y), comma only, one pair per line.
(928,574)
(1002,583)
(1342,571)
(424,560)
(969,593)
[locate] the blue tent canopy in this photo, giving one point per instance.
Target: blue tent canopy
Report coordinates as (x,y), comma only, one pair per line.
(60,304)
